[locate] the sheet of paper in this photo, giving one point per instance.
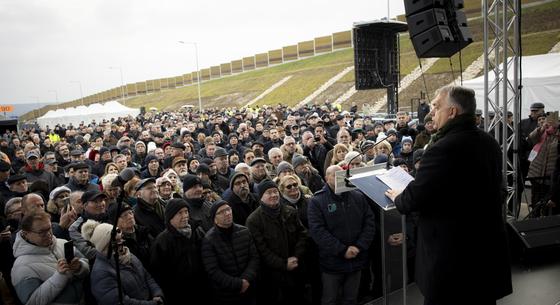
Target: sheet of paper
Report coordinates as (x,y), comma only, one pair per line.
(396,178)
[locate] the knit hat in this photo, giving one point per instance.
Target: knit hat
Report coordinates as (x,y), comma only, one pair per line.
(99,234)
(392,131)
(57,191)
(283,166)
(235,176)
(406,139)
(162,180)
(264,186)
(139,143)
(189,181)
(298,160)
(381,158)
(103,150)
(203,169)
(417,155)
(173,207)
(220,152)
(112,211)
(215,208)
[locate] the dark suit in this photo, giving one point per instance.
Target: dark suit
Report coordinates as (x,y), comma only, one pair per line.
(462,252)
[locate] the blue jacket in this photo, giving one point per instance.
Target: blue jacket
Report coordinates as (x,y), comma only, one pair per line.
(139,288)
(337,222)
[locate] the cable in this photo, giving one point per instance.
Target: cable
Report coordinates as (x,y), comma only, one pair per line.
(461,66)
(424,79)
(452,74)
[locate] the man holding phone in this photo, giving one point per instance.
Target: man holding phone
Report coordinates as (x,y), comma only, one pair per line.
(41,274)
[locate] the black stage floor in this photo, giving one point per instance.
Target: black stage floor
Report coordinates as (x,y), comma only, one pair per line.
(536,283)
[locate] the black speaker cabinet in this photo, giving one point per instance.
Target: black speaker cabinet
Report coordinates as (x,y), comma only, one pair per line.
(538,232)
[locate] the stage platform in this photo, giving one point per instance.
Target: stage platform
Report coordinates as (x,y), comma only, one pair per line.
(536,283)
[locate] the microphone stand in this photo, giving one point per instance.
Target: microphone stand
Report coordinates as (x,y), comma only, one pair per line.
(114,250)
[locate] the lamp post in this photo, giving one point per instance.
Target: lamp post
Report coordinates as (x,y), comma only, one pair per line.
(81,91)
(122,83)
(197,72)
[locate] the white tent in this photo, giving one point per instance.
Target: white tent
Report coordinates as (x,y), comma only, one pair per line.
(85,114)
(540,80)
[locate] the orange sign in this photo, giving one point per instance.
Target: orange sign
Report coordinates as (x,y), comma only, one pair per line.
(6,108)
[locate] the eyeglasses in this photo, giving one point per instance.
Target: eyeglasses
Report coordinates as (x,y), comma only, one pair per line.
(223,211)
(291,186)
(43,233)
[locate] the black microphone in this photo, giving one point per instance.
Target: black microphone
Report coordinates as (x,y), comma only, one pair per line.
(367,145)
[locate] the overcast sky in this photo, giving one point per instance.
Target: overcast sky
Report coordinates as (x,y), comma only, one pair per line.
(48,45)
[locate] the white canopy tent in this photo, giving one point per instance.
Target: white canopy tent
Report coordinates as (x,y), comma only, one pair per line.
(540,80)
(86,114)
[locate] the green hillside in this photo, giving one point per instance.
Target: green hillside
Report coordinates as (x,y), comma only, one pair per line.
(540,30)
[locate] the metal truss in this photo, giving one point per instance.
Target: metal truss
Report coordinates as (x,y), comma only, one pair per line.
(501,87)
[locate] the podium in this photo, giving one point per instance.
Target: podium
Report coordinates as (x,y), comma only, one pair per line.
(373,181)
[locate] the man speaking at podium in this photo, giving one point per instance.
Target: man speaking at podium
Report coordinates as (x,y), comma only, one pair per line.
(462,255)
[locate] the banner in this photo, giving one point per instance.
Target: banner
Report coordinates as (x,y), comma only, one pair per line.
(306,48)
(248,63)
(237,66)
(261,60)
(141,87)
(342,40)
(215,72)
(275,57)
(205,74)
(225,69)
(323,44)
(187,79)
(289,53)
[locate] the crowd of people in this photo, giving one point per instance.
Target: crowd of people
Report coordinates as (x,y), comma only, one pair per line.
(224,206)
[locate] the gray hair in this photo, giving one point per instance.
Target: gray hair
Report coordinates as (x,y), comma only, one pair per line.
(463,98)
(10,203)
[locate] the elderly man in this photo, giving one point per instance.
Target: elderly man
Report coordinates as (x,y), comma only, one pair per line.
(34,170)
(176,261)
(41,274)
(80,180)
(258,171)
(281,240)
(17,186)
(95,208)
(198,206)
(343,227)
(240,198)
(222,163)
(149,210)
(275,156)
(449,263)
(230,258)
(179,165)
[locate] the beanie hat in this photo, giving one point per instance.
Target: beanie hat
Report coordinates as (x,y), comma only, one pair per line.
(112,211)
(381,158)
(264,186)
(406,139)
(298,160)
(203,168)
(235,176)
(99,234)
(169,172)
(149,158)
(173,207)
(392,131)
(103,150)
(215,208)
(283,166)
(233,135)
(189,181)
(417,155)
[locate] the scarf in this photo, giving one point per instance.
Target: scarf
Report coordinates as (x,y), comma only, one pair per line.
(187,232)
(293,201)
(272,212)
(461,120)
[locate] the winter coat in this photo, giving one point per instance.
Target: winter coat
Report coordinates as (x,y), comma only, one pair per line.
(456,256)
(276,239)
(240,209)
(138,286)
(39,175)
(35,276)
(147,216)
(337,222)
(300,206)
(228,259)
(545,161)
(73,185)
(177,266)
(199,213)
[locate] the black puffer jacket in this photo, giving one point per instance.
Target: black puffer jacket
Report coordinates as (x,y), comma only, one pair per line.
(228,258)
(240,209)
(177,267)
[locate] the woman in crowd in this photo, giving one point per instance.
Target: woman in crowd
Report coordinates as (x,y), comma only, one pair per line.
(339,152)
(138,286)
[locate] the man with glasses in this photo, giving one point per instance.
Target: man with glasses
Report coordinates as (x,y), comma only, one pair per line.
(41,274)
(230,258)
(281,240)
(240,199)
(149,210)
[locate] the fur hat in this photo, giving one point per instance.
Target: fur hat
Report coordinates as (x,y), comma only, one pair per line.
(99,234)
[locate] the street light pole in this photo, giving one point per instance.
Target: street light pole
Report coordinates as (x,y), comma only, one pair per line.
(197,72)
(81,91)
(122,83)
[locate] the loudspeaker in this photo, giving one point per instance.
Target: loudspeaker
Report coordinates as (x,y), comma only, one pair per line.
(142,110)
(376,53)
(538,232)
(437,28)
